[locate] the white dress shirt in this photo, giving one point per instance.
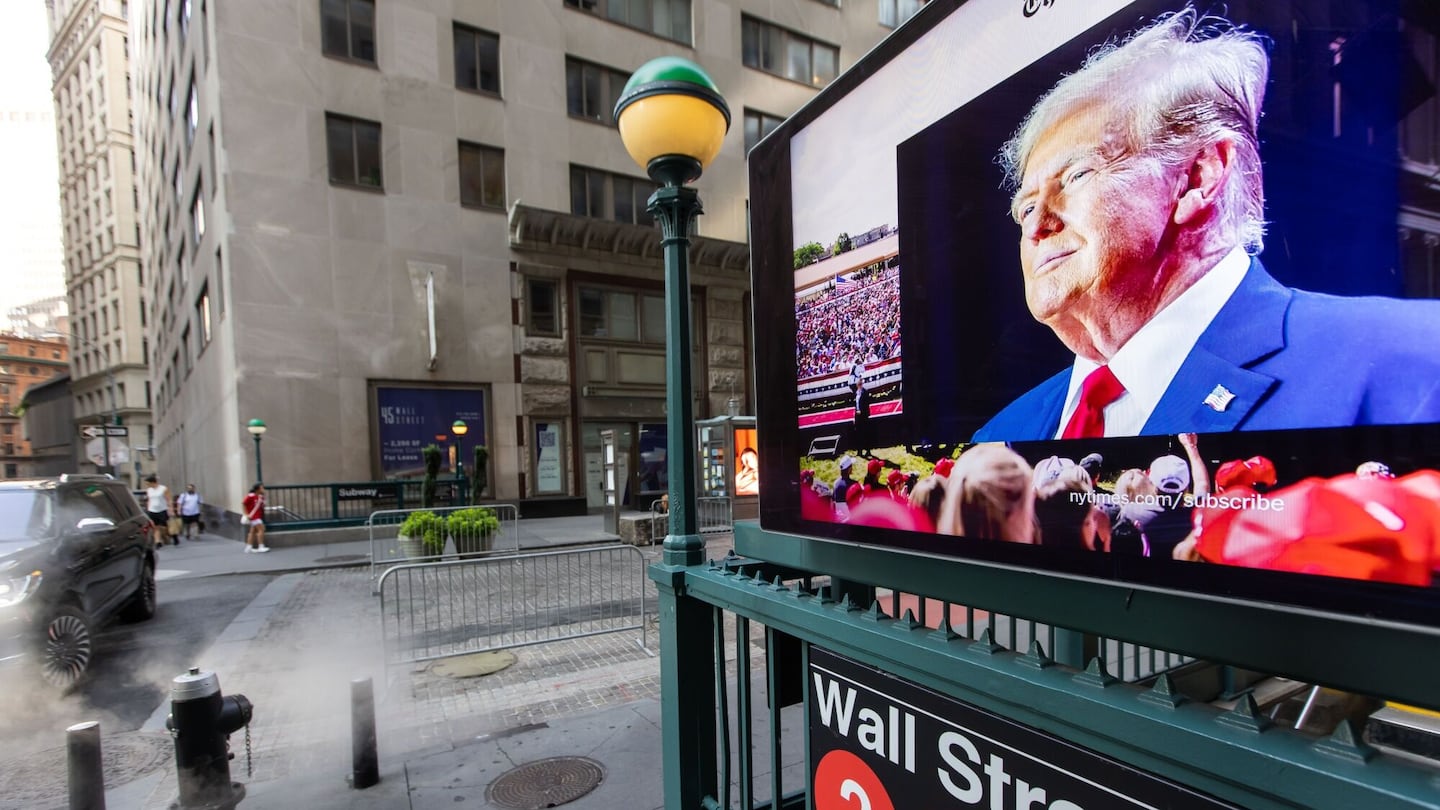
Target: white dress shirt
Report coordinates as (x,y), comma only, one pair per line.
(1149,361)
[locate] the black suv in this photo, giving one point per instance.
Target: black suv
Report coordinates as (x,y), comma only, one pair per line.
(75,552)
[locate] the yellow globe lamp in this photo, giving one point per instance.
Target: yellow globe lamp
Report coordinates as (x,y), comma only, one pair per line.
(672,119)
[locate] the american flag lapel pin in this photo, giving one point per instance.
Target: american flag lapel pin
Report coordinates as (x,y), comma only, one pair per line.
(1219,398)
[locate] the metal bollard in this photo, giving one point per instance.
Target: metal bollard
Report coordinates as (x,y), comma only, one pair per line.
(86,773)
(201,721)
(364,760)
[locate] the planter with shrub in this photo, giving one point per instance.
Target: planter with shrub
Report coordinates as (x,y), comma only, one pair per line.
(422,535)
(473,529)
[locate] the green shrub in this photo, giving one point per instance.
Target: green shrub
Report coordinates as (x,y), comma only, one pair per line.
(431,454)
(477,521)
(428,528)
(480,477)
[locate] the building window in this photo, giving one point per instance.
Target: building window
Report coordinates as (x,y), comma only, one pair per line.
(785,53)
(757,126)
(197,219)
(219,284)
(192,114)
(622,315)
(482,176)
(666,18)
(477,59)
(185,350)
(354,147)
(202,316)
(592,90)
(347,29)
(602,195)
(895,12)
(542,307)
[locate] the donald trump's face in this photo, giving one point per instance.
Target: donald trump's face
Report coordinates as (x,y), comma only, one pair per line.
(1094,220)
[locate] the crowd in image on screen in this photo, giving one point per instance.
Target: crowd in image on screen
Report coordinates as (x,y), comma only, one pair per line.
(856,319)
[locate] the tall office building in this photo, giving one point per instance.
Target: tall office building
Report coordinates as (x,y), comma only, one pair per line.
(89,63)
(363,221)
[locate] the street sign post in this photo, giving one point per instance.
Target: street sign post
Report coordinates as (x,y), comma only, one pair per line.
(96,431)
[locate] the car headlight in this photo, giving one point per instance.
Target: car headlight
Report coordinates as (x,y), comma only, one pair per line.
(16,589)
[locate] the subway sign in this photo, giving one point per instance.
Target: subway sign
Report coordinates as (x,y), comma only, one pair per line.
(881,743)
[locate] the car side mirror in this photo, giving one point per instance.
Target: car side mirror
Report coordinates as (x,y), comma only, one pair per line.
(94,525)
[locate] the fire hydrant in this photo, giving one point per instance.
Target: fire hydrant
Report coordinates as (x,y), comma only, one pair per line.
(201,721)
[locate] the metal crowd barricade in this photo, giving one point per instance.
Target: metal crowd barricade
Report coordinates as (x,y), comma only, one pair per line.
(385,547)
(713,516)
(439,609)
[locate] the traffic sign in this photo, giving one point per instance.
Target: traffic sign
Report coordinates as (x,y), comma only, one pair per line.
(96,431)
(119,452)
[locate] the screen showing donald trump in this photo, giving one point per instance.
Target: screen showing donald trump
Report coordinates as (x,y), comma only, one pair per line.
(1151,279)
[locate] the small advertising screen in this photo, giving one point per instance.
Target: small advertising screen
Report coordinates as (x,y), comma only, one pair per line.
(1137,290)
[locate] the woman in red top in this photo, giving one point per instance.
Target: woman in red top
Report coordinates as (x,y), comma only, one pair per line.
(253,508)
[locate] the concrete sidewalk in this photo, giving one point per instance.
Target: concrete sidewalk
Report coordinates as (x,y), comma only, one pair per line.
(442,741)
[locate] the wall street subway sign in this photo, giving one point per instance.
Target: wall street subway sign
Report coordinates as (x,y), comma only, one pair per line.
(881,743)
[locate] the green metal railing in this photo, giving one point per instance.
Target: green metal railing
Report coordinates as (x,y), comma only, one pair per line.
(990,639)
(293,507)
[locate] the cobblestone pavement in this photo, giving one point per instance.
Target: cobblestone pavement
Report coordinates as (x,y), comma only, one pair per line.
(309,634)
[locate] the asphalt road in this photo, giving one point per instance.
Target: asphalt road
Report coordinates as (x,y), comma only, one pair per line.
(131,673)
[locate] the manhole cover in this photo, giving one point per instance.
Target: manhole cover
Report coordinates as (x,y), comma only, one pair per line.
(35,778)
(344,558)
(545,783)
(474,665)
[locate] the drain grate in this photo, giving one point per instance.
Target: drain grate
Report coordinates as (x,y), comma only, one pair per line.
(545,783)
(39,778)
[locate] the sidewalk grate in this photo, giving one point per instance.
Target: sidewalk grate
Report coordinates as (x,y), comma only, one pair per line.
(36,779)
(545,783)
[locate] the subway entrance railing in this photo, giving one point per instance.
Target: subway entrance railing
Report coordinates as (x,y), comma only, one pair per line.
(1069,659)
(295,507)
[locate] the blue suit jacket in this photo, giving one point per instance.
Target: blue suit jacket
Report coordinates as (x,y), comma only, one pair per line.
(1292,359)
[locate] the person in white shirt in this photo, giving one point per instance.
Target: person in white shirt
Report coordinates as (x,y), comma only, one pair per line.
(188,503)
(157,506)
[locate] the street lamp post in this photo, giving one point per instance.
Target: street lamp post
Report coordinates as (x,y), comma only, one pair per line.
(257,429)
(673,121)
(459,428)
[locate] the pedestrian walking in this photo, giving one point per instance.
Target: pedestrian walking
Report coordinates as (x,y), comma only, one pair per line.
(187,504)
(253,508)
(157,506)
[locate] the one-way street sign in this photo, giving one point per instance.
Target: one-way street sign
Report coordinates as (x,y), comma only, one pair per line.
(96,431)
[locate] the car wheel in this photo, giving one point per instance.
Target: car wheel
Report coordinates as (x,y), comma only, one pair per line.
(142,605)
(65,648)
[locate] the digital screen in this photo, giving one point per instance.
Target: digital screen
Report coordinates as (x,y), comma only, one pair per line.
(1139,290)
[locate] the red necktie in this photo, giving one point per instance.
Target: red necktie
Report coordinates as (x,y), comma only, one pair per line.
(1099,390)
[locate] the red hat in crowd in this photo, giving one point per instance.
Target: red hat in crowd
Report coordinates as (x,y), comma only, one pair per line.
(874,467)
(807,476)
(814,506)
(1248,473)
(1379,529)
(853,495)
(895,477)
(942,467)
(887,513)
